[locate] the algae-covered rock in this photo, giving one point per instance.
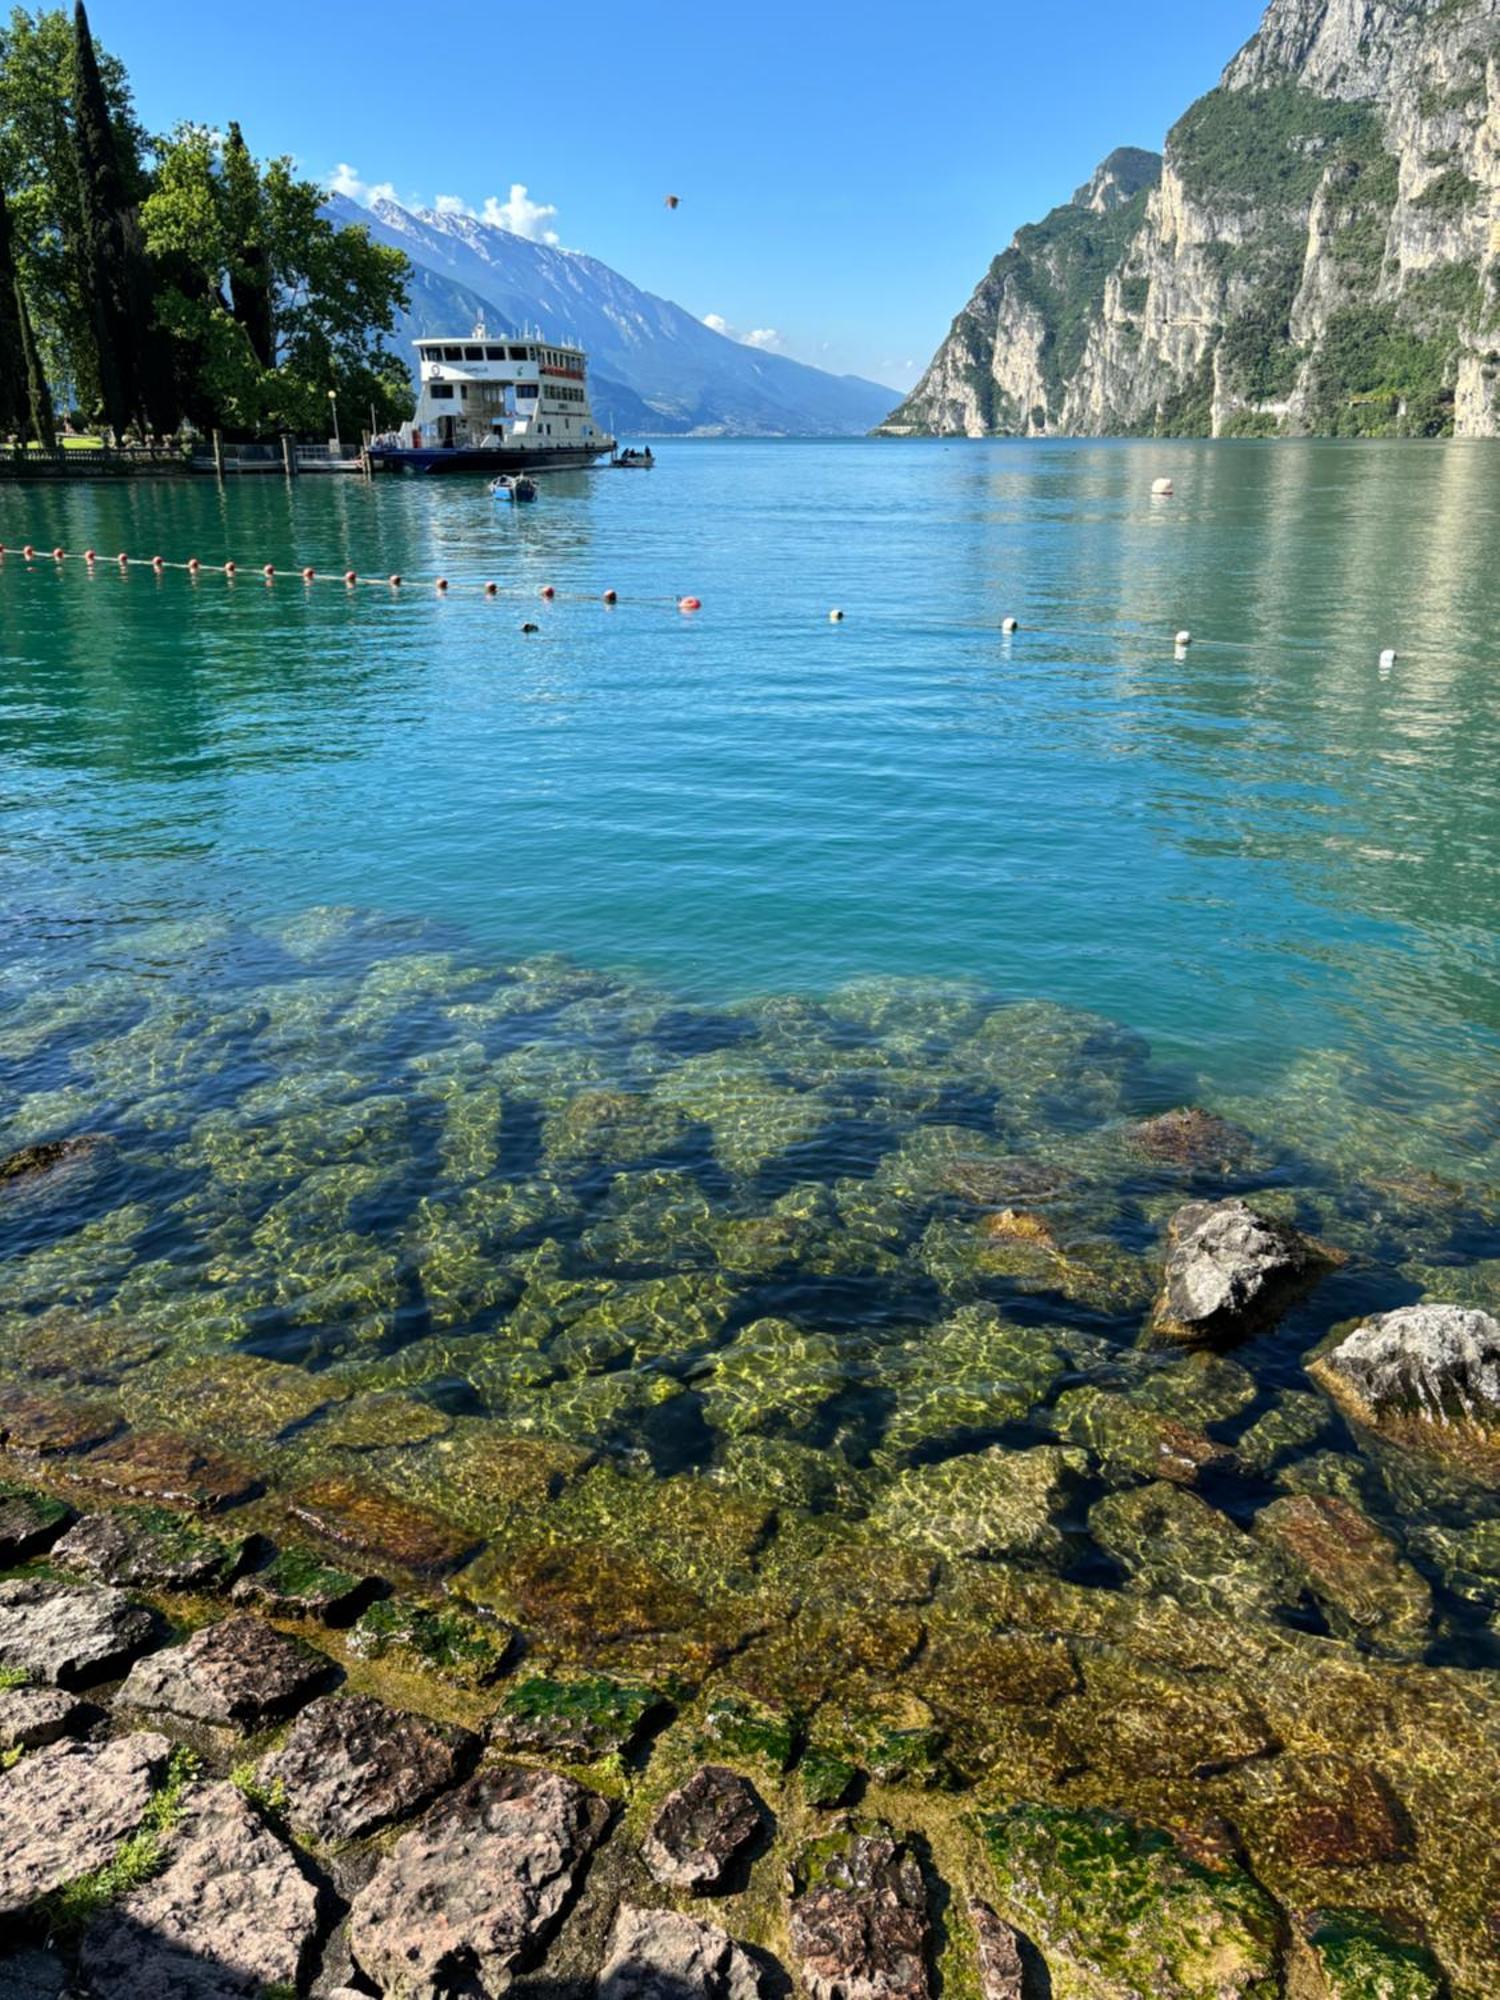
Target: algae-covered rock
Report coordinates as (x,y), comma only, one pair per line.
(733,1724)
(1120,1913)
(1171,1543)
(298,1584)
(614,1128)
(150,1547)
(990,1503)
(892,1736)
(1354,1957)
(1233,1271)
(445,1640)
(379,1526)
(1153,1423)
(29,1524)
(772,1377)
(859,1919)
(1352,1568)
(577,1720)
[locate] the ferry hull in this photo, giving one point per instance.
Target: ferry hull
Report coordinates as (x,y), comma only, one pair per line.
(513,458)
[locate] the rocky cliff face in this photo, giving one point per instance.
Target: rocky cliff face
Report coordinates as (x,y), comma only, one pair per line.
(1318,251)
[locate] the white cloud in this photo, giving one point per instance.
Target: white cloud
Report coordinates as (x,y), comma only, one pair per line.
(346,180)
(521,215)
(766,338)
(452,204)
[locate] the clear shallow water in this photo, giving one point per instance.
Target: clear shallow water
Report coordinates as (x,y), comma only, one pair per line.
(856,918)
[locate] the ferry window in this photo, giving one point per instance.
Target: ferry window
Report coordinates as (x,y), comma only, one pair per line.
(526,388)
(473,354)
(494,354)
(453,354)
(442,390)
(518,354)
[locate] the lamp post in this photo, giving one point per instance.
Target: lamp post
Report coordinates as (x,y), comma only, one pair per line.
(333,404)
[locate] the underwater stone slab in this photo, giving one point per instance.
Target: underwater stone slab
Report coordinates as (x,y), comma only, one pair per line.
(380,1526)
(32,1162)
(1193,1140)
(239,1674)
(657,1954)
(31,1717)
(989,1503)
(576,1720)
(702,1829)
(65,1809)
(166,1467)
(1428,1375)
(1119,1912)
(454,1644)
(482,1881)
(1352,1568)
(231,1913)
(46,1426)
(70,1635)
(29,1524)
(1173,1544)
(1232,1272)
(351,1765)
(1357,1958)
(859,1920)
(149,1548)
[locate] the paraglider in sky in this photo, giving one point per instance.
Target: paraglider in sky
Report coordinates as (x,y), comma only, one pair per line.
(673,200)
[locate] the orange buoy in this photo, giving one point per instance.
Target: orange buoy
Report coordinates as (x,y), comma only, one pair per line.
(350,576)
(59,555)
(309,575)
(28,552)
(547,591)
(690,604)
(611,597)
(491,589)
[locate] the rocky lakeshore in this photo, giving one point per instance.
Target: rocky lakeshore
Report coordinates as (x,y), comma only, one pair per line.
(511,1478)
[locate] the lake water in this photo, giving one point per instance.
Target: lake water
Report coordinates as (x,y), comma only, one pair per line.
(619,1034)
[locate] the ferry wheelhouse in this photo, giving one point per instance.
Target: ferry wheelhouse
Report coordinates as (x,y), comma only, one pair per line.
(490,405)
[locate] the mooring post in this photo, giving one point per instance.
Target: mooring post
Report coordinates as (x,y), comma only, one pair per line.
(288,456)
(218,455)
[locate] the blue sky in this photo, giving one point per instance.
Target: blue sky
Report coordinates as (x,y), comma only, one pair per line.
(845,172)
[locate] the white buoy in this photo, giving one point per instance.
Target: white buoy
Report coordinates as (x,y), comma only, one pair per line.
(835,617)
(1010,624)
(1388,659)
(1183,639)
(1162,488)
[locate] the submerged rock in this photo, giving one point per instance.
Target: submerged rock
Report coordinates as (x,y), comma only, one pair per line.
(1357,1958)
(351,1765)
(990,1503)
(445,1640)
(481,1882)
(230,1915)
(167,1467)
(859,1919)
(66,1809)
(295,1584)
(1120,1913)
(577,1720)
(702,1829)
(1352,1568)
(70,1635)
(662,1955)
(239,1674)
(1194,1140)
(32,1161)
(1173,1544)
(1427,1375)
(1001,1974)
(1233,1272)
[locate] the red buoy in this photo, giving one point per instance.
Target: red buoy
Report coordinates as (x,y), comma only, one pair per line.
(88,556)
(268,571)
(309,574)
(157,564)
(690,604)
(547,591)
(123,560)
(350,576)
(395,583)
(229,568)
(59,555)
(193,565)
(442,583)
(611,597)
(28,552)
(491,589)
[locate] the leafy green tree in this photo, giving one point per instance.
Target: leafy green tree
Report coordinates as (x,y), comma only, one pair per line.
(39,172)
(279,306)
(13,412)
(116,279)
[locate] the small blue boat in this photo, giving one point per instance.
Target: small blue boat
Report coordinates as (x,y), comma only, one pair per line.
(513,486)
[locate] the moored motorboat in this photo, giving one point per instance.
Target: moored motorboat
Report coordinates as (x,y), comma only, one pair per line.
(513,486)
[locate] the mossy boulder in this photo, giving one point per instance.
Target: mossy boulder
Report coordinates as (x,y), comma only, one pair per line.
(446,1640)
(732,1724)
(1352,1956)
(578,1720)
(1119,1912)
(1351,1566)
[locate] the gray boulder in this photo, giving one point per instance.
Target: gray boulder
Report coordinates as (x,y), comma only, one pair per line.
(239,1674)
(859,1920)
(65,1809)
(230,1914)
(1233,1272)
(70,1635)
(478,1884)
(1427,1374)
(30,1717)
(702,1829)
(663,1955)
(351,1765)
(1001,1973)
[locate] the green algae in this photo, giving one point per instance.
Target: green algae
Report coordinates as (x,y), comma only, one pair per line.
(580,1720)
(1120,1913)
(1357,1958)
(443,1640)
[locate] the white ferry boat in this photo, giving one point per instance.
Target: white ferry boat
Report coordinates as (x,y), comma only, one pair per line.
(520,404)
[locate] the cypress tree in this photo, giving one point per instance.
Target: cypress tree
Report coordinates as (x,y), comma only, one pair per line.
(250,287)
(13,410)
(115,273)
(42,419)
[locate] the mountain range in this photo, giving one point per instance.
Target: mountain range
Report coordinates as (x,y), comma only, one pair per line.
(653,367)
(1316,251)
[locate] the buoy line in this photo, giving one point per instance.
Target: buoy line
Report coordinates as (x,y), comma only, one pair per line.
(33,557)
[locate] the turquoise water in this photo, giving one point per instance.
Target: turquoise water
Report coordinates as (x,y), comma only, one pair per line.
(1264,848)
